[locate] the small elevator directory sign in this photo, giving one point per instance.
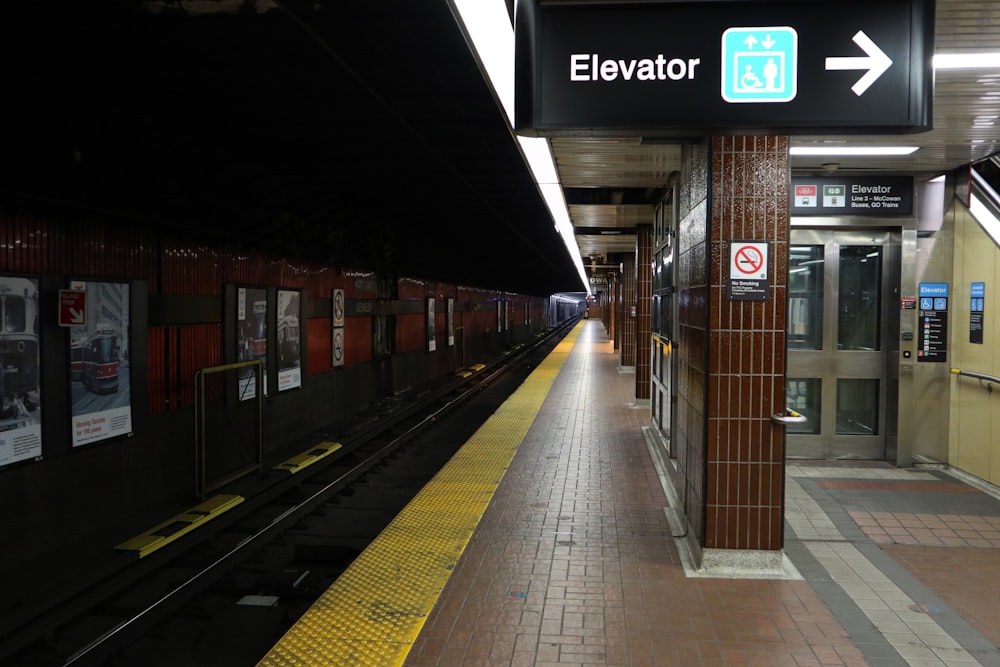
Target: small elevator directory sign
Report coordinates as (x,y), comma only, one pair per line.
(933,343)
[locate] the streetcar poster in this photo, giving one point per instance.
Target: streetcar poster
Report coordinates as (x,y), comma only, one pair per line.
(289,353)
(251,326)
(20,394)
(99,366)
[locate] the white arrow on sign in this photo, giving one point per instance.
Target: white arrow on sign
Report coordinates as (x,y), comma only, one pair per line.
(76,316)
(876,62)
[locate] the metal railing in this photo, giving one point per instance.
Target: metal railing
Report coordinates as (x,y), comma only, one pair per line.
(789,417)
(990,380)
(208,404)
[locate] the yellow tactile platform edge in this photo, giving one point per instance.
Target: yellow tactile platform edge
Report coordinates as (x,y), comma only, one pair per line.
(372,614)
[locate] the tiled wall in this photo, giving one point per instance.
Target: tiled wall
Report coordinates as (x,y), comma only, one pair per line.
(692,333)
(746,348)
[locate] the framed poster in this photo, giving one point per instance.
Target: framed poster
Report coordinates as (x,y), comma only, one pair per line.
(100,387)
(251,337)
(450,320)
(20,360)
(431,325)
(289,336)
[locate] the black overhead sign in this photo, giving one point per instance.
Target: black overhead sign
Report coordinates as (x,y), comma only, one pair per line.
(692,68)
(877,196)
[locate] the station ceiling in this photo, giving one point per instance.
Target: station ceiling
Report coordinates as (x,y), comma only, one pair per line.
(361,134)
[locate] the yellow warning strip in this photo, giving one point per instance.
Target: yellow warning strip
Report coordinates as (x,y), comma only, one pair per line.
(306,459)
(466,372)
(163,534)
(372,614)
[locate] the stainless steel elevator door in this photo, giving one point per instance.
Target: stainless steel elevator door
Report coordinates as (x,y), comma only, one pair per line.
(839,292)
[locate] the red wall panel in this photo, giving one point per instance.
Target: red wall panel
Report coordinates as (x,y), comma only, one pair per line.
(357,340)
(319,355)
(200,346)
(158,373)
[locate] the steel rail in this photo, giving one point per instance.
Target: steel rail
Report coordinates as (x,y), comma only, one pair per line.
(131,628)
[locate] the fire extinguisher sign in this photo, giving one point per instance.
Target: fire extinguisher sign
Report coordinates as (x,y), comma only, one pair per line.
(748,280)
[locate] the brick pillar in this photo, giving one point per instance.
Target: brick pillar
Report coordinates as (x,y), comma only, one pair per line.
(644,303)
(744,455)
(614,305)
(627,325)
(606,303)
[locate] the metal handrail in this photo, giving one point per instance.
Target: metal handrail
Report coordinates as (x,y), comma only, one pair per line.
(990,380)
(789,417)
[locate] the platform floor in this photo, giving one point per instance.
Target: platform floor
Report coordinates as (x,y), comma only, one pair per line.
(573,561)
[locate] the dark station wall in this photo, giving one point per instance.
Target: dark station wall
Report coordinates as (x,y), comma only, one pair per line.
(189,306)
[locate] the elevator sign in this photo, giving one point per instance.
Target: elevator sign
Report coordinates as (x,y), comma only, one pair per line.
(748,279)
(875,196)
(759,64)
(696,68)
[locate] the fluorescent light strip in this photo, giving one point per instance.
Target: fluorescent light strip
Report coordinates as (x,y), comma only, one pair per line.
(966,60)
(488,27)
(986,219)
(852,150)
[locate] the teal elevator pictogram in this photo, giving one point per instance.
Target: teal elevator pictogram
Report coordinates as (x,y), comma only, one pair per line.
(759,64)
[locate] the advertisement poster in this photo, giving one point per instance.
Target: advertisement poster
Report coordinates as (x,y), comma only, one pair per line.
(99,366)
(449,306)
(289,353)
(251,332)
(20,412)
(431,325)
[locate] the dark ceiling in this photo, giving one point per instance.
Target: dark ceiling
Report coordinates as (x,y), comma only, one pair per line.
(361,134)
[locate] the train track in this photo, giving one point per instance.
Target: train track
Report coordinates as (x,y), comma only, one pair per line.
(223,595)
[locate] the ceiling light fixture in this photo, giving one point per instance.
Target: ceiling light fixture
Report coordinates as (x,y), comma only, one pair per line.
(966,60)
(491,36)
(852,150)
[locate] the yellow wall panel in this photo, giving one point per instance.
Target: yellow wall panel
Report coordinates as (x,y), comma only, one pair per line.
(975,426)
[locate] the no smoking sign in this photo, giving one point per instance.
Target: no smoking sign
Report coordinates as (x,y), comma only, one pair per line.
(748,271)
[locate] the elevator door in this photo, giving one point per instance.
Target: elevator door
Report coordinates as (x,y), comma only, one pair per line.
(838,290)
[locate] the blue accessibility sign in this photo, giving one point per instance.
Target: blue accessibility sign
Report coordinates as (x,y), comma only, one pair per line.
(759,64)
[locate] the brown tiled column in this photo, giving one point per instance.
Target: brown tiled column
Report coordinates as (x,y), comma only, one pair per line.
(744,494)
(626,327)
(614,309)
(731,354)
(644,302)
